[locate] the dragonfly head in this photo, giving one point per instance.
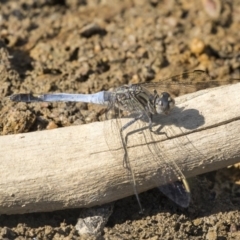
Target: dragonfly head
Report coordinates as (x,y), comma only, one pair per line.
(164,103)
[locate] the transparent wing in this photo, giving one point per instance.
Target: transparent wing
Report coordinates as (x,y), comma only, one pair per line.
(165,171)
(179,85)
(177,192)
(155,155)
(168,176)
(116,140)
(187,82)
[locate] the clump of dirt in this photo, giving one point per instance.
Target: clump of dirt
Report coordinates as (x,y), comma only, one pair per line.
(88,46)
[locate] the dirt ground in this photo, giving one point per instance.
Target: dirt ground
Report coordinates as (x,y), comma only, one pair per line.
(91,45)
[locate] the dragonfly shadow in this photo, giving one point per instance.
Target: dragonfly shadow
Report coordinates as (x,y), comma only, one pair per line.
(189,119)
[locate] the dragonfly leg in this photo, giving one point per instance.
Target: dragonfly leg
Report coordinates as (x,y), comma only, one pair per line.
(131,122)
(158,131)
(150,122)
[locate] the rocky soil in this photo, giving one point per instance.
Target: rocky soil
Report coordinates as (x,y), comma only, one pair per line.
(86,46)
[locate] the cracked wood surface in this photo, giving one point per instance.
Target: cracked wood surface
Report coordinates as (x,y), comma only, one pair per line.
(73,166)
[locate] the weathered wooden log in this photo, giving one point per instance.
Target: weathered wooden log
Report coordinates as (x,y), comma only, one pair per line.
(73,166)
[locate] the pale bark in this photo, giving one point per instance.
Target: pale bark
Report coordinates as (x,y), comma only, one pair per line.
(73,167)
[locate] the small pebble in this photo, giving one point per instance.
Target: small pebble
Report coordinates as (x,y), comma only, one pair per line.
(197,46)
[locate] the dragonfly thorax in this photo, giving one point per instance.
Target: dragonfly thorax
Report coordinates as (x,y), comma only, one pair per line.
(164,103)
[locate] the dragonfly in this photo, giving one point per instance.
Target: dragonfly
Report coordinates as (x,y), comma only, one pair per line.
(144,101)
